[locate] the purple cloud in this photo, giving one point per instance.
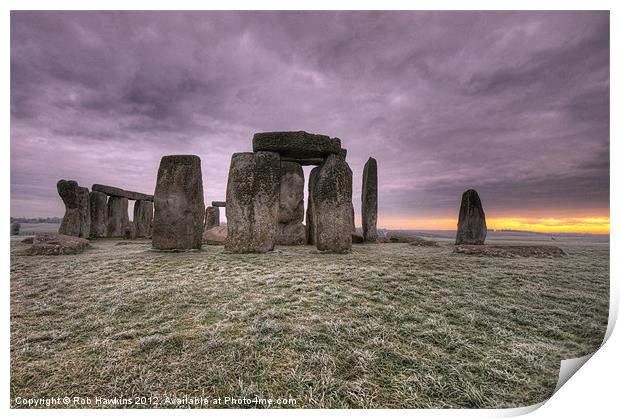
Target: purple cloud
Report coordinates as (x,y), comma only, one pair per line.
(514,104)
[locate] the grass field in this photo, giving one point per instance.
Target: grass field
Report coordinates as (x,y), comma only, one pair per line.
(388,325)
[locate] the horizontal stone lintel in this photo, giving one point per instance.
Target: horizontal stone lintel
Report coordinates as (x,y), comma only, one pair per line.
(114,191)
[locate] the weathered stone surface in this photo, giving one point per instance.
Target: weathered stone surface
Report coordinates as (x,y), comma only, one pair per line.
(305,162)
(76,221)
(510,251)
(472,226)
(310,220)
(130,231)
(212,217)
(118,217)
(215,236)
(114,191)
(57,244)
(291,208)
(218,204)
(353,218)
(369,201)
(98,214)
(296,144)
(143,218)
(252,202)
(357,237)
(291,234)
(179,204)
(332,205)
(15,227)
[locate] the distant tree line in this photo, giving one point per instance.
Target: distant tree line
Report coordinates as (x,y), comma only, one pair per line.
(51,220)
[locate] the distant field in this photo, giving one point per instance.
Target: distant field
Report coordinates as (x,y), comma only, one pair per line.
(28,229)
(388,325)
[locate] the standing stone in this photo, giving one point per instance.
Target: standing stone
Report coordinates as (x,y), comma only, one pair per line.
(212,217)
(472,226)
(369,201)
(252,202)
(76,221)
(130,231)
(98,214)
(332,205)
(291,230)
(142,218)
(15,227)
(118,217)
(310,220)
(179,204)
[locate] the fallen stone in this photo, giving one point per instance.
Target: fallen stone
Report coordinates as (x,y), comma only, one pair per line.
(215,236)
(332,205)
(291,234)
(28,240)
(114,191)
(509,251)
(179,204)
(76,221)
(357,237)
(409,238)
(252,202)
(98,214)
(472,226)
(218,204)
(212,217)
(15,227)
(369,201)
(57,244)
(296,144)
(382,239)
(143,218)
(118,217)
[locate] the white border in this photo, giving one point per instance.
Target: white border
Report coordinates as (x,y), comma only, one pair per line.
(593,391)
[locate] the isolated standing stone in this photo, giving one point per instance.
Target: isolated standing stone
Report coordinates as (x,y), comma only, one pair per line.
(15,227)
(118,217)
(332,205)
(179,204)
(369,201)
(76,221)
(252,202)
(212,217)
(98,214)
(142,218)
(310,220)
(472,226)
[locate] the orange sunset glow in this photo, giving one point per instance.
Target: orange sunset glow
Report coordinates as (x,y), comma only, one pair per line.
(581,224)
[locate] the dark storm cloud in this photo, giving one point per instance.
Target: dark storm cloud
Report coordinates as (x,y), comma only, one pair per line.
(513,104)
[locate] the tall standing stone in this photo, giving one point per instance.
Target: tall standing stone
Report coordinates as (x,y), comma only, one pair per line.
(332,205)
(252,202)
(179,204)
(310,220)
(98,214)
(76,221)
(291,230)
(472,225)
(118,217)
(142,218)
(369,201)
(212,217)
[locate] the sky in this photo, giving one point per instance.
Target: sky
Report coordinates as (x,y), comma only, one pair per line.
(512,104)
